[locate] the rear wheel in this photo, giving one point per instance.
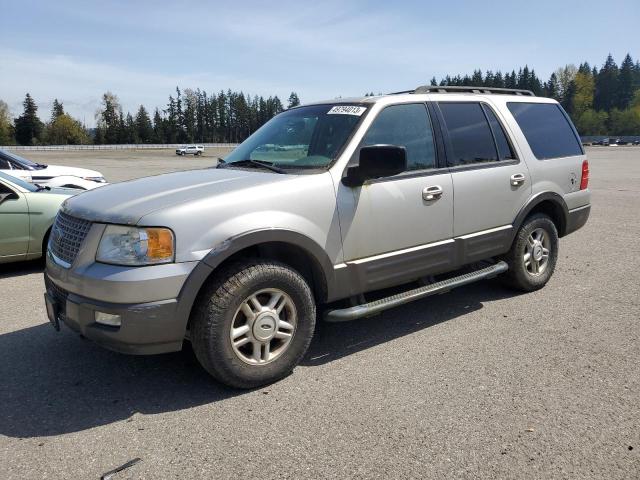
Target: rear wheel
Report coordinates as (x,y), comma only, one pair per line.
(533,255)
(253,323)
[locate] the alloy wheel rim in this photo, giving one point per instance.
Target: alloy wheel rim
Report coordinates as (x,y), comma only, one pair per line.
(263,326)
(536,252)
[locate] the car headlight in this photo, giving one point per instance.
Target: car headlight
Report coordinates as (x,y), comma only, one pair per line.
(123,245)
(95,179)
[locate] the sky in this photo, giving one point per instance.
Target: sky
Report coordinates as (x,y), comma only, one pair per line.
(141,50)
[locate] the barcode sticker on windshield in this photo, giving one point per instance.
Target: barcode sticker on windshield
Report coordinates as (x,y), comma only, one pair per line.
(347,110)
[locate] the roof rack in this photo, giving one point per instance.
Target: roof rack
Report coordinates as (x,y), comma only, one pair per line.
(465,89)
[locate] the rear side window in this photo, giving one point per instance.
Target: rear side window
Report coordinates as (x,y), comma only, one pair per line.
(408,126)
(505,152)
(469,133)
(547,129)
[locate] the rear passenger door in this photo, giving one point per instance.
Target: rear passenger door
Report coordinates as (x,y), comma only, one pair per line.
(490,182)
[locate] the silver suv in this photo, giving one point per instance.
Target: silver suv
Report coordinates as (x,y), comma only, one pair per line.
(324,208)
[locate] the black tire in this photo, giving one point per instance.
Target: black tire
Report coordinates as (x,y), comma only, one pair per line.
(215,310)
(519,277)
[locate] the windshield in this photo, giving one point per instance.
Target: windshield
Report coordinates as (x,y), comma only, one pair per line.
(28,164)
(304,137)
(19,182)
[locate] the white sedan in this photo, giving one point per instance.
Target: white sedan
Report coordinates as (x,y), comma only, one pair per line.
(49,175)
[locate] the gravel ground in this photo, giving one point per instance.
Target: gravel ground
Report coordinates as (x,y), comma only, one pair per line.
(477,383)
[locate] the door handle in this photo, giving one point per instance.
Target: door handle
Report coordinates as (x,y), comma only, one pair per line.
(432,193)
(517,179)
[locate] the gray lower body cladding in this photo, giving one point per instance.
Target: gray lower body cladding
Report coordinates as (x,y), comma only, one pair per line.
(577,218)
(147,328)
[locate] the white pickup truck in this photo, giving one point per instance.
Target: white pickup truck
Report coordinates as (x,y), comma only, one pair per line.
(190,150)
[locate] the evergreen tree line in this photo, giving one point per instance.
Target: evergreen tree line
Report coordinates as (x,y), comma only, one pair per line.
(603,101)
(191,116)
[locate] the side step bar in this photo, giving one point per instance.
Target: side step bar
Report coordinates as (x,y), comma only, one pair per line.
(371,308)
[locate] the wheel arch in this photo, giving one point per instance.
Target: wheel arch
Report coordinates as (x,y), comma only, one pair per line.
(289,247)
(549,203)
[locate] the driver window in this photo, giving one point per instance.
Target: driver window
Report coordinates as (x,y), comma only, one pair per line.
(407,126)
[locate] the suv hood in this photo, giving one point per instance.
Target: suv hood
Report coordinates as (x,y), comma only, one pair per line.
(127,202)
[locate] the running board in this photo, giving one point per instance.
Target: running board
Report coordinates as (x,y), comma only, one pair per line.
(371,308)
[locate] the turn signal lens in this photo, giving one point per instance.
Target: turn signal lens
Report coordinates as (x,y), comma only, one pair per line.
(159,244)
(584,181)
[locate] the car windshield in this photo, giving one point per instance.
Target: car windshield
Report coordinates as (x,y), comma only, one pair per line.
(19,182)
(304,137)
(28,164)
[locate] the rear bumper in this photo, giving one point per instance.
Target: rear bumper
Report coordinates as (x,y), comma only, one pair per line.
(577,218)
(147,328)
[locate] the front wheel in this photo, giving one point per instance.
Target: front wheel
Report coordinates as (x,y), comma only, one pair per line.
(253,323)
(533,255)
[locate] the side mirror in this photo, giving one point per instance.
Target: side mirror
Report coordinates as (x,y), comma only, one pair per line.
(8,196)
(376,161)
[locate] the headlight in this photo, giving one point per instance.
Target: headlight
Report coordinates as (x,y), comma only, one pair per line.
(95,179)
(122,245)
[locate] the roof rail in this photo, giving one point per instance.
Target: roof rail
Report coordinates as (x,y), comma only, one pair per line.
(470,89)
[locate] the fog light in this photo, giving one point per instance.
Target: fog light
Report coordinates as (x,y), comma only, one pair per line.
(108,319)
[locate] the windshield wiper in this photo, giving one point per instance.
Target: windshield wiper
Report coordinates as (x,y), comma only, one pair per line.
(255,163)
(41,187)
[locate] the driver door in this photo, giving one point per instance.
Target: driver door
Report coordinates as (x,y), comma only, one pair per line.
(14,219)
(399,228)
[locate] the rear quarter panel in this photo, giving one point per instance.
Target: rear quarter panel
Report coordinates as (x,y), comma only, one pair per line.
(559,175)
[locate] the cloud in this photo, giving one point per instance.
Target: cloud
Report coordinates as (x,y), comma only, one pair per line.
(79,84)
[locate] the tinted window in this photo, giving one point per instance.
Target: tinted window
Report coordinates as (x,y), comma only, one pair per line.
(505,152)
(547,129)
(20,162)
(469,132)
(408,126)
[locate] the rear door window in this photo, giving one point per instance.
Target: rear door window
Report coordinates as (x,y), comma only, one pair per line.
(469,133)
(408,126)
(505,151)
(547,129)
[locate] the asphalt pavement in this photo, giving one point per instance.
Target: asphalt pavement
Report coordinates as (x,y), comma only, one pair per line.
(476,383)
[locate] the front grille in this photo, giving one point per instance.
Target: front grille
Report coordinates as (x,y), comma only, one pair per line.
(67,236)
(58,294)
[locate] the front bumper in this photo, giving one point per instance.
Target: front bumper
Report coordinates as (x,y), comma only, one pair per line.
(153,303)
(147,328)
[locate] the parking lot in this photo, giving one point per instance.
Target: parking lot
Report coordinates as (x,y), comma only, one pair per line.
(477,383)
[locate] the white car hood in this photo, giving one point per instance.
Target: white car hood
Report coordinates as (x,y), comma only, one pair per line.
(59,171)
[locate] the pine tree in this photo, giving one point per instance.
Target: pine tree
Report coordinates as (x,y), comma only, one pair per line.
(28,127)
(294,100)
(56,110)
(476,79)
(159,132)
(625,83)
(607,81)
(109,119)
(144,129)
(551,87)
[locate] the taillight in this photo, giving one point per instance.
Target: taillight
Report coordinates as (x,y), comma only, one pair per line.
(584,181)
